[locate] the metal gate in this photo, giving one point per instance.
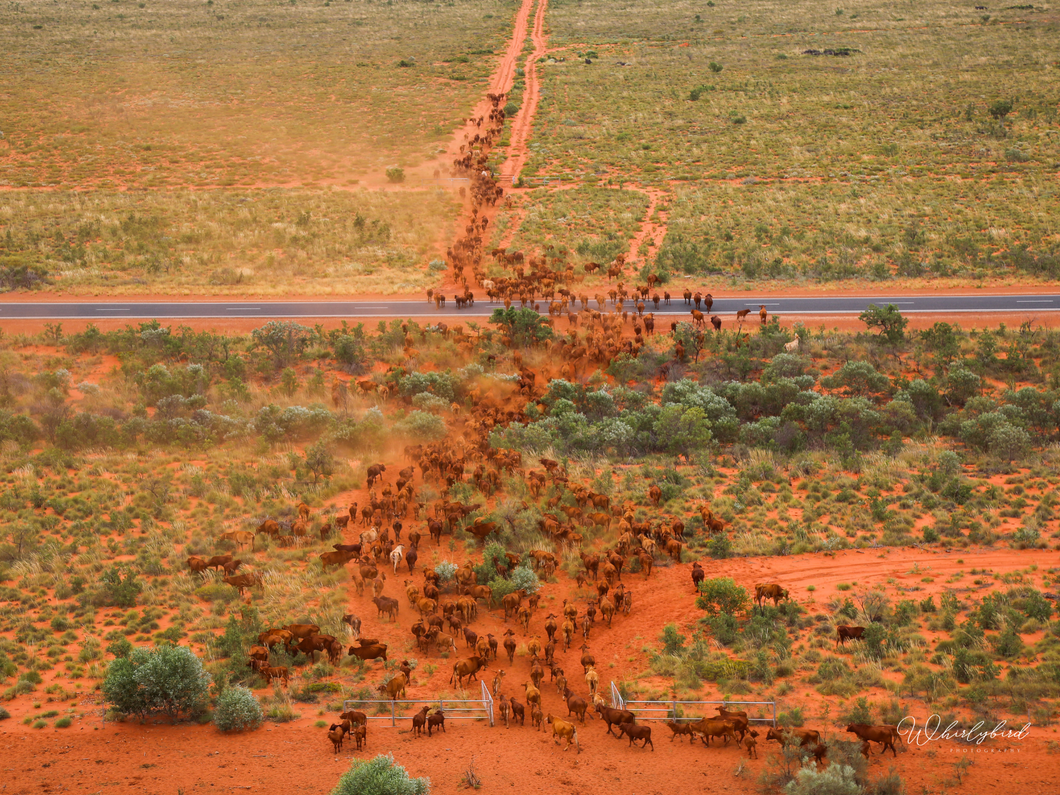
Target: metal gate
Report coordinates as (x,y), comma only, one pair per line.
(668,710)
(454,708)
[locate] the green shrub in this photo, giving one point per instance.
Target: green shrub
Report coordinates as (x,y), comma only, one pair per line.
(40,724)
(166,679)
(395,173)
(63,723)
(120,647)
(861,712)
(673,641)
(722,595)
(501,587)
(237,709)
(423,426)
(380,776)
(4,714)
(118,587)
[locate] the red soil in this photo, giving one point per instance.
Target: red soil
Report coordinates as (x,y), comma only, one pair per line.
(162,758)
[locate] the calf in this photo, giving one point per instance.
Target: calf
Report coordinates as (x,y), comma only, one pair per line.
(419,721)
(436,718)
(336,734)
(682,729)
(635,732)
(751,744)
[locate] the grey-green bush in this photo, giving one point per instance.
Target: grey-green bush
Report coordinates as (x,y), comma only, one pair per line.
(166,679)
(523,577)
(380,776)
(833,780)
(238,709)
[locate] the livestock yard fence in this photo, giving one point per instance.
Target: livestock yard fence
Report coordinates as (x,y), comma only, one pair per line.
(454,708)
(675,710)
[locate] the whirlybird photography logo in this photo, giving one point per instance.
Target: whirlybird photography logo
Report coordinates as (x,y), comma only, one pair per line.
(934,730)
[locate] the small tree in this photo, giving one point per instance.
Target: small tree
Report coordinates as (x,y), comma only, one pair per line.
(320,461)
(1000,109)
(166,679)
(888,320)
(722,595)
(524,326)
(237,709)
(380,776)
(120,590)
(284,339)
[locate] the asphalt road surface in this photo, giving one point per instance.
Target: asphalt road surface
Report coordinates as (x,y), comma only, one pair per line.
(845,305)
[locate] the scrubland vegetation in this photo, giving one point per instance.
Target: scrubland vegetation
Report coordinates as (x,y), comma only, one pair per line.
(870,163)
(125,452)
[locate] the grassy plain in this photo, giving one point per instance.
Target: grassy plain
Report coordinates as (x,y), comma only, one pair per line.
(884,163)
(201,147)
(122,95)
(261,242)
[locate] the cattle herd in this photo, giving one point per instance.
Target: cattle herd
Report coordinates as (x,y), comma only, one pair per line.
(446,609)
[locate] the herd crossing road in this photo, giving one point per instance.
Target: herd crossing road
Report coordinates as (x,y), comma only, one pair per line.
(187,310)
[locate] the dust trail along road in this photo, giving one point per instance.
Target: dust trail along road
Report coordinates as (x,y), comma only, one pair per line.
(723,307)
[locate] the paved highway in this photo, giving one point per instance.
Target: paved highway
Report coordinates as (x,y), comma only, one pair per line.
(845,305)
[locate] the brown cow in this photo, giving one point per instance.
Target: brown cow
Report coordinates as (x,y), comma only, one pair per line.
(243,581)
(368,651)
(310,646)
(613,717)
(635,732)
(770,591)
(713,727)
(467,668)
(197,564)
(885,735)
(681,729)
(395,687)
(568,731)
(844,633)
(698,575)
